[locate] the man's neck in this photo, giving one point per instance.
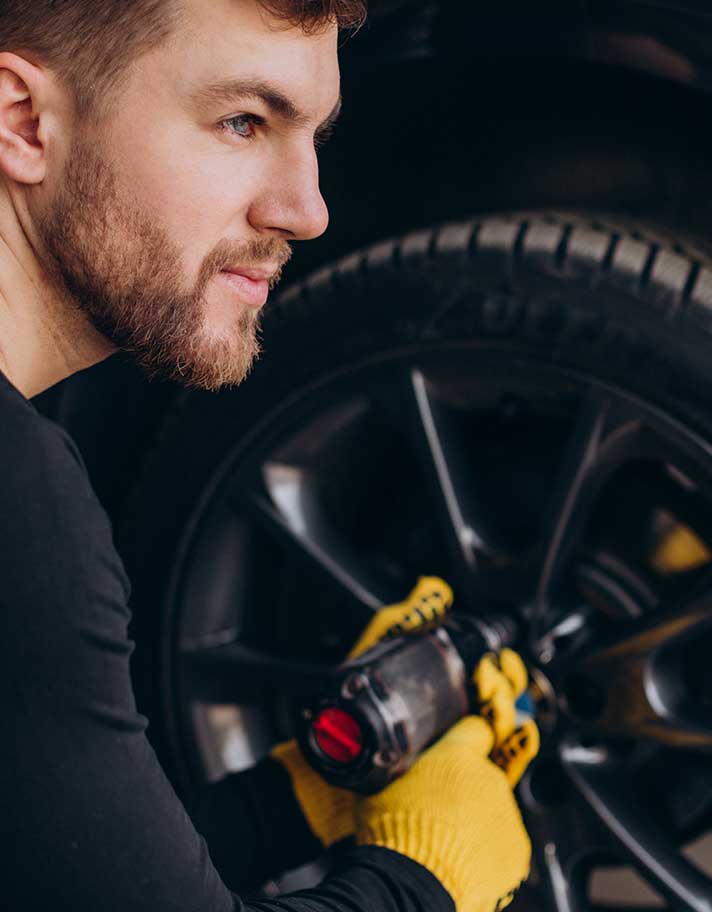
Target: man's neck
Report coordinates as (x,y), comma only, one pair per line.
(44,336)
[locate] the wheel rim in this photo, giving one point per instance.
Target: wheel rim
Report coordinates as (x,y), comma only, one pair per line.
(538,490)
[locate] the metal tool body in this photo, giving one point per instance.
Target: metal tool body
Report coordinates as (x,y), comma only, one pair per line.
(393,701)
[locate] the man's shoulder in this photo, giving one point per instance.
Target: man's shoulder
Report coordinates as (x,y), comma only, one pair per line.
(32,447)
(54,534)
(61,579)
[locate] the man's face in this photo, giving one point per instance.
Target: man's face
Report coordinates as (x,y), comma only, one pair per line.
(175,213)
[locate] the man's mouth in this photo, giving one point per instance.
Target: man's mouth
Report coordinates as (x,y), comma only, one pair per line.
(252,285)
(266,273)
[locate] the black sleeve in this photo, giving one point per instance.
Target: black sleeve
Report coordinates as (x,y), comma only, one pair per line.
(368,879)
(88,819)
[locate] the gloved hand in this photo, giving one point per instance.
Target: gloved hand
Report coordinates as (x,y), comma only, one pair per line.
(454,812)
(500,681)
(329,811)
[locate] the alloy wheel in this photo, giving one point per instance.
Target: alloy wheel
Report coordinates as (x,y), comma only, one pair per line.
(578,508)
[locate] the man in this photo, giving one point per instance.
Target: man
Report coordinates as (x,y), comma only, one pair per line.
(157,158)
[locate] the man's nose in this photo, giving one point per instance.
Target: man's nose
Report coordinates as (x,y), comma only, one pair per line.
(291,202)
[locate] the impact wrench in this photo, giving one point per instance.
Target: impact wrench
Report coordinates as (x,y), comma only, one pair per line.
(390,703)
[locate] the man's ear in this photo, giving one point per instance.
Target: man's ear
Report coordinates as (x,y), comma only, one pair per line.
(22,152)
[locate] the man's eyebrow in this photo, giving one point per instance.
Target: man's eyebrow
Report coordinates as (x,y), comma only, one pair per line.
(230,90)
(323,131)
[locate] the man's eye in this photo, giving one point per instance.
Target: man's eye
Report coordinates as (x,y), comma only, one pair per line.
(242,125)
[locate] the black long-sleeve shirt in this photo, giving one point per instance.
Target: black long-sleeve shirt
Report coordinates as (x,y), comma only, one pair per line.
(88,820)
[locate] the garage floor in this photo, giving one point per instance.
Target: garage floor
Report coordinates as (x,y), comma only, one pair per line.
(619,886)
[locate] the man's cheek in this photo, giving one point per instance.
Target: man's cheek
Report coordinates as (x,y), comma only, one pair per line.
(201,209)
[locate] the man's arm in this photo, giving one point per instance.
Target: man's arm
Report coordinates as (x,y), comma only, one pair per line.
(284,810)
(88,819)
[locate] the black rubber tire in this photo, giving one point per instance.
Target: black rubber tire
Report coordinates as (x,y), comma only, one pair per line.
(626,304)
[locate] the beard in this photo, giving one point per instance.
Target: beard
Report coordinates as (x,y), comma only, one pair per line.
(124,273)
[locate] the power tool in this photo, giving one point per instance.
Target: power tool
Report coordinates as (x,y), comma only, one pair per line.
(390,703)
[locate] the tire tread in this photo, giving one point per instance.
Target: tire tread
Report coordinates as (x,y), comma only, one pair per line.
(669,279)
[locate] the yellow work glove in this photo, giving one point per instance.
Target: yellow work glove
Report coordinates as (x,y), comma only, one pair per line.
(499,682)
(454,813)
(329,811)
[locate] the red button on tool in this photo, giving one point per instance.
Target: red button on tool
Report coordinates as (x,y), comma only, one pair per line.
(338,734)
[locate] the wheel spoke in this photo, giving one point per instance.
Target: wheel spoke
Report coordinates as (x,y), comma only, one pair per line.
(441,452)
(565,836)
(557,884)
(603,436)
(639,685)
(234,672)
(558,866)
(609,790)
(443,457)
(291,513)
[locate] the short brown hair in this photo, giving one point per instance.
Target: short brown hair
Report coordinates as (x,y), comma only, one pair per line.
(89,43)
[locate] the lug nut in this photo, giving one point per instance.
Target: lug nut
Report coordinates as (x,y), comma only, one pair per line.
(353,685)
(384,758)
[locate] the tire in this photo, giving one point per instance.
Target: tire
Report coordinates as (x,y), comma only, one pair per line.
(615,299)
